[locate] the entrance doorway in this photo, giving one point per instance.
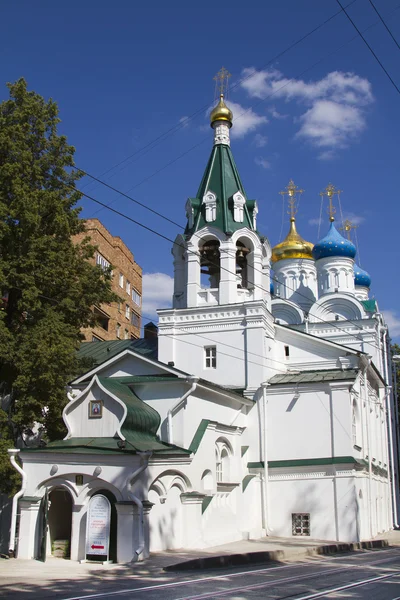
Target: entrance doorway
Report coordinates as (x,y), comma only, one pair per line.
(60,522)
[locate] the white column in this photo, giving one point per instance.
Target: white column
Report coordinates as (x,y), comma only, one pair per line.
(29,532)
(192,518)
(78,532)
(228,282)
(147,506)
(255,274)
(193,276)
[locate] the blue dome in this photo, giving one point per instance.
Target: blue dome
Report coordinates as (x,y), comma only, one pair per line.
(361,277)
(271,288)
(334,244)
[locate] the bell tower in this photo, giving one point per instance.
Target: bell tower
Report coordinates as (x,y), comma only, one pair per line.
(221,301)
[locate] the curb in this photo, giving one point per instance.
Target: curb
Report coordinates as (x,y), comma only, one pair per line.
(249,558)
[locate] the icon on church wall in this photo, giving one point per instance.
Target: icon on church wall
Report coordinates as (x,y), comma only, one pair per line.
(95,409)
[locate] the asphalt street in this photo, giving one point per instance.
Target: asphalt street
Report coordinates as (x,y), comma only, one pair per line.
(370,575)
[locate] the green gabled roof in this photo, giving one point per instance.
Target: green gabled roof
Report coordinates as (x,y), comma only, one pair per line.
(222,178)
(98,352)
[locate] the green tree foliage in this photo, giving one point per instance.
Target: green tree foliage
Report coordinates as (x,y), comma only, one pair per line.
(47,284)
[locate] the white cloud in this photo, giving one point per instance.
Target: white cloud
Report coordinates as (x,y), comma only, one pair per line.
(260,140)
(336,104)
(262,162)
(245,120)
(355,219)
(184,121)
(315,221)
(277,115)
(157,293)
(392,319)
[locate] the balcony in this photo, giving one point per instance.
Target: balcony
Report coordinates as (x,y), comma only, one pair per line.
(208,296)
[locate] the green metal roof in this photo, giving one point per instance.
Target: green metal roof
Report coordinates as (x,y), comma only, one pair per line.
(314,376)
(222,178)
(369,305)
(99,352)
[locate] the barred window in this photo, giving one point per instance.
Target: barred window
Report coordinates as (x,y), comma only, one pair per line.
(300,523)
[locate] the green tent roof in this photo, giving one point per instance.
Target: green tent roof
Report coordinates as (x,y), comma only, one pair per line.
(98,352)
(222,178)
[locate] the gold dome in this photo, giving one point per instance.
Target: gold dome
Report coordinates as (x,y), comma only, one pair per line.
(221,112)
(293,246)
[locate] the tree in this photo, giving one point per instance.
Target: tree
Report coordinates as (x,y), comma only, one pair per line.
(47,284)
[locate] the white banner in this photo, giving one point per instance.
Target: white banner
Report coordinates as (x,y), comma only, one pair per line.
(98,526)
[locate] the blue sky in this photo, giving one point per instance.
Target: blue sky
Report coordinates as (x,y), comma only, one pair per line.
(124,73)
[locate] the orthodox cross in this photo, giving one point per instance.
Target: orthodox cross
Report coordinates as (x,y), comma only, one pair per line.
(221,80)
(330,191)
(347,227)
(291,191)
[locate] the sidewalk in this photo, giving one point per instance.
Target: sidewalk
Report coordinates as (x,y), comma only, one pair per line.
(20,577)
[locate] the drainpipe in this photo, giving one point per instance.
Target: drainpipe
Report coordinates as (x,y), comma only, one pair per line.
(137,501)
(178,404)
(389,397)
(368,421)
(13,453)
(265,447)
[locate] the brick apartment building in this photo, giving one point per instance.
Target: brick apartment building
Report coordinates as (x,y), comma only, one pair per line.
(118,320)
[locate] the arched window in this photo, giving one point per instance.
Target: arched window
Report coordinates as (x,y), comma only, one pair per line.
(223,453)
(210,264)
(241,265)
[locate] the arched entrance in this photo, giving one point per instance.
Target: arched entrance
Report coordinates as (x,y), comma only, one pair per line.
(113,525)
(60,522)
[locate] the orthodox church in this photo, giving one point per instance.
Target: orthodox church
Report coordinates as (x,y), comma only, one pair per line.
(262,407)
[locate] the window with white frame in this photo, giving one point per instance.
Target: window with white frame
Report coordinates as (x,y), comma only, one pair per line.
(127,311)
(223,453)
(136,297)
(121,280)
(118,330)
(126,334)
(301,524)
(128,287)
(210,355)
(102,262)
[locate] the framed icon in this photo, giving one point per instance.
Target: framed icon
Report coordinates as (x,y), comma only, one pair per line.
(79,479)
(95,409)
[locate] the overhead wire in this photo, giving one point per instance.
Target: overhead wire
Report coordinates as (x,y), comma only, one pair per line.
(370,48)
(126,195)
(201,110)
(384,24)
(157,233)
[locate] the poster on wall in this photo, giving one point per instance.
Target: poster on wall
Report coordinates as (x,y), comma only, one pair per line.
(98,528)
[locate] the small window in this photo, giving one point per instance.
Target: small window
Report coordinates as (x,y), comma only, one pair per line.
(118,330)
(126,334)
(96,339)
(127,311)
(128,287)
(121,280)
(300,523)
(102,262)
(102,319)
(287,353)
(211,357)
(135,320)
(136,297)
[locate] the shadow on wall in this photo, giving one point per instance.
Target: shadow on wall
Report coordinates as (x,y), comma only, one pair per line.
(5,522)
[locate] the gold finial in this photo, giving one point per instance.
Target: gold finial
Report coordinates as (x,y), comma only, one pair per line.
(291,192)
(347,227)
(221,81)
(330,191)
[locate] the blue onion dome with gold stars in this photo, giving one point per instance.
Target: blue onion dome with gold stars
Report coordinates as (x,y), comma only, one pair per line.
(361,277)
(333,244)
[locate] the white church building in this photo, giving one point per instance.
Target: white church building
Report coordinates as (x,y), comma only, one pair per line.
(263,407)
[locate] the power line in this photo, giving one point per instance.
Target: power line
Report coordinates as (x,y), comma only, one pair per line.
(384,24)
(368,46)
(150,145)
(157,233)
(125,194)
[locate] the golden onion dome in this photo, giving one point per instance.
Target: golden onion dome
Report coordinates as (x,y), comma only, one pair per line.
(221,112)
(293,246)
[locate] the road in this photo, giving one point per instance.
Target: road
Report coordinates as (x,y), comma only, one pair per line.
(373,575)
